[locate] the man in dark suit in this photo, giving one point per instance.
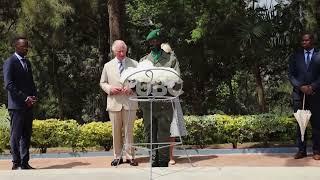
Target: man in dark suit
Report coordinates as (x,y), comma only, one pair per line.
(21,89)
(304,75)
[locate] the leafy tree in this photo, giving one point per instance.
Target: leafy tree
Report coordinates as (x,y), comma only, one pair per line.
(8,19)
(233,58)
(68,51)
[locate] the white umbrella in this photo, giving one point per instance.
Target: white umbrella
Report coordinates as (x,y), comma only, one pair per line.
(303,117)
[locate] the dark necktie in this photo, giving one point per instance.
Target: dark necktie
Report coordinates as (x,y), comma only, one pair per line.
(121,68)
(25,67)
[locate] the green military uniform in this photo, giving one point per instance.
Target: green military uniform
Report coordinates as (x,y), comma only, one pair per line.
(162,112)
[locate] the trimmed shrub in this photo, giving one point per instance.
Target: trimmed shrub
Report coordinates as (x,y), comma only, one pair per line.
(4,128)
(95,134)
(271,127)
(234,129)
(4,138)
(67,133)
(138,131)
(54,133)
(202,131)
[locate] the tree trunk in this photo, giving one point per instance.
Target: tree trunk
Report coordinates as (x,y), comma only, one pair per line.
(104,45)
(116,10)
(234,145)
(57,90)
(103,32)
(232,99)
(317,16)
(246,101)
(259,89)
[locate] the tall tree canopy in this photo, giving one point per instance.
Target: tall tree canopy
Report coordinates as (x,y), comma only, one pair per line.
(233,53)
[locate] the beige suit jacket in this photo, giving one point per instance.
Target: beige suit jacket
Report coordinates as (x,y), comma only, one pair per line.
(111,77)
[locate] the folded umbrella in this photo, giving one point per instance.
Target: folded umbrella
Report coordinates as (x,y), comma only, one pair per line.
(302,116)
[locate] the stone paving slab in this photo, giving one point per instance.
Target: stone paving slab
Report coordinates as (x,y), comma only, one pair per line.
(194,152)
(203,173)
(256,164)
(247,160)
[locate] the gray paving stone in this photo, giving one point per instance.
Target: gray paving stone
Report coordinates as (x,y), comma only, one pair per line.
(192,173)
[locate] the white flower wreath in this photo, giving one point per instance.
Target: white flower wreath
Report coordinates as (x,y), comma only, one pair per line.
(145,72)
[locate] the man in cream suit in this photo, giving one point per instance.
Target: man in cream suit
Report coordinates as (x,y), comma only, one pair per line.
(122,111)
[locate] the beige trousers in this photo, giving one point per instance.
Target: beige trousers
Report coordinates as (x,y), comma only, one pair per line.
(122,132)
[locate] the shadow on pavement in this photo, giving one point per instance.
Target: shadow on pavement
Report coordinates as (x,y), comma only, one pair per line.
(182,160)
(64,166)
(290,161)
(194,159)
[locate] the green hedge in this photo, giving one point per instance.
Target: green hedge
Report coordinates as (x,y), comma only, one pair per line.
(213,129)
(95,134)
(202,131)
(54,133)
(4,128)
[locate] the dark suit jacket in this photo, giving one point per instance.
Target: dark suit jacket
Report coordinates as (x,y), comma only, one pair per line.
(18,82)
(300,75)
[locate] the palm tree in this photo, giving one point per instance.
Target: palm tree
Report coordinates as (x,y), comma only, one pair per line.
(253,37)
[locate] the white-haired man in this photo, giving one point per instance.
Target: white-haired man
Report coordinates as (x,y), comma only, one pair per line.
(122,111)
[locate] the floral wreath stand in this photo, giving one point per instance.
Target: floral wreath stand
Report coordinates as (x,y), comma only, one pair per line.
(153,96)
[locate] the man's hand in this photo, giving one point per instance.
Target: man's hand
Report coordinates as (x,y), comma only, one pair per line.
(31,100)
(127,91)
(307,89)
(116,90)
(34,99)
(312,91)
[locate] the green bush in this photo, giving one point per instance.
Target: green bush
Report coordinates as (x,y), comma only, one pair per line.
(214,129)
(95,134)
(272,127)
(4,138)
(67,133)
(4,128)
(233,128)
(202,131)
(138,131)
(43,134)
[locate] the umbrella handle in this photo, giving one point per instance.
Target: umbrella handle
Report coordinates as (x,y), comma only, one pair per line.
(303,102)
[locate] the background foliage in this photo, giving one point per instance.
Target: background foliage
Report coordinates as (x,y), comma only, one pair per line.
(202,131)
(4,128)
(232,53)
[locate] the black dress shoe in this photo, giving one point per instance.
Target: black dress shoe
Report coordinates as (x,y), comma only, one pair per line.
(163,164)
(15,167)
(300,155)
(316,157)
(132,162)
(155,164)
(26,166)
(116,162)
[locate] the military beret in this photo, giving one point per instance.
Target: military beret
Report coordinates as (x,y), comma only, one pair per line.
(154,34)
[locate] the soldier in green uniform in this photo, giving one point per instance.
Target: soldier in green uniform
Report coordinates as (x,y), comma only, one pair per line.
(162,112)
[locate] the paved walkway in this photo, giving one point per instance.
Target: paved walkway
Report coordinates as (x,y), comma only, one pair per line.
(243,164)
(198,173)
